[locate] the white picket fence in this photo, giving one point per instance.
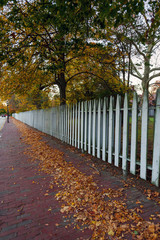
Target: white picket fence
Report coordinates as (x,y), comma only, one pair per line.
(101,128)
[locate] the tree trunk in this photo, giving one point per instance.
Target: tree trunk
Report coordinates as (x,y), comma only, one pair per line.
(145,82)
(62,88)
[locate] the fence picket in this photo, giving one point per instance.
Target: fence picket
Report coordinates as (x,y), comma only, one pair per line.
(104,131)
(94,129)
(79,121)
(134,135)
(125,135)
(99,130)
(85,129)
(144,136)
(82,125)
(89,127)
(61,122)
(156,146)
(75,143)
(110,135)
(117,132)
(73,124)
(68,126)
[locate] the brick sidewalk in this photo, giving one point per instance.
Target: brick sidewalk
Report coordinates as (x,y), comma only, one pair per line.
(25,197)
(28,208)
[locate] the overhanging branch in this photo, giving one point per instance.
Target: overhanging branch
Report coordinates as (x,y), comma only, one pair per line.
(136,70)
(155,69)
(154,76)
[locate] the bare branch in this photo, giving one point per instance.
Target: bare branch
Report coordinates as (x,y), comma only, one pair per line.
(84,73)
(134,75)
(155,69)
(154,76)
(137,48)
(157,41)
(136,70)
(146,20)
(90,73)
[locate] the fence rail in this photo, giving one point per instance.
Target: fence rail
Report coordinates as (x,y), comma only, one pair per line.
(107,130)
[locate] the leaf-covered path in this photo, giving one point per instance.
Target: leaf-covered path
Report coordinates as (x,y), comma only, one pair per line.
(49,190)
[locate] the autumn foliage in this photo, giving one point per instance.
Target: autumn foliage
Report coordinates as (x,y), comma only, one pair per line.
(104,211)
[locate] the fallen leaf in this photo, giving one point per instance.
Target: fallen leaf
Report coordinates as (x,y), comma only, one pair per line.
(110,232)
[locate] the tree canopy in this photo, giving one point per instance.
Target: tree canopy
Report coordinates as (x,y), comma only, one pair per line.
(140,40)
(47,42)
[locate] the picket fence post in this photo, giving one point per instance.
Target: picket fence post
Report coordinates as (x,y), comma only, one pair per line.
(104,131)
(110,135)
(134,129)
(94,129)
(156,146)
(99,130)
(82,125)
(89,127)
(79,121)
(73,124)
(125,135)
(66,121)
(144,136)
(117,132)
(68,124)
(85,129)
(75,142)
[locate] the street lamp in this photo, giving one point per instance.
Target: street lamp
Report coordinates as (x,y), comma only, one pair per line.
(7,111)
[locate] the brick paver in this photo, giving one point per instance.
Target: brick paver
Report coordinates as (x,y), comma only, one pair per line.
(28,209)
(25,197)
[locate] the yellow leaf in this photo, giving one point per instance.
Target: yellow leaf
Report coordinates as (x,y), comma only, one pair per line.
(151,228)
(98,223)
(64,209)
(110,232)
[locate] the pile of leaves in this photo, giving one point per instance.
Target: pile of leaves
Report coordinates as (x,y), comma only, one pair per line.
(102,211)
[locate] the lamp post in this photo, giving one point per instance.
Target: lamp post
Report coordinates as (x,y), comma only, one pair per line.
(7,111)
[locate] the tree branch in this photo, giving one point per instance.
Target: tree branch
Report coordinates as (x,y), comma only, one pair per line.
(134,75)
(90,73)
(155,69)
(136,70)
(154,76)
(47,85)
(137,48)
